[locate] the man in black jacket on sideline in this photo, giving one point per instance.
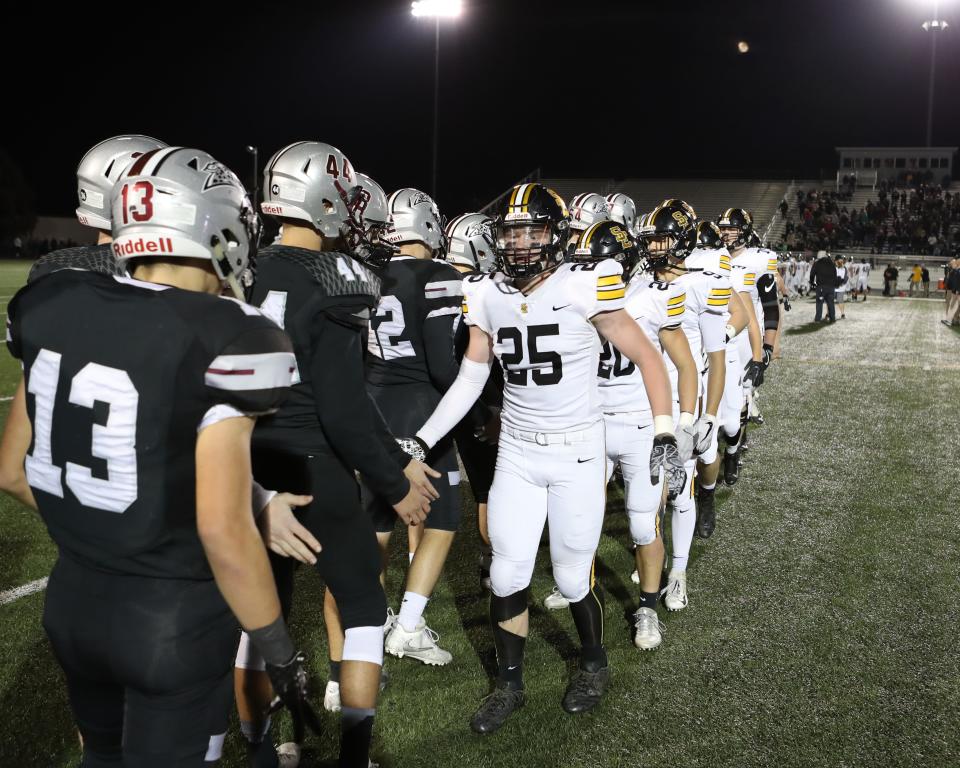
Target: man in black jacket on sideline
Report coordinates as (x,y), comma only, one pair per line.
(823,278)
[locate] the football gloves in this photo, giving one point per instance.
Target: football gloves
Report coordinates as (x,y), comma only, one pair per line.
(666,457)
(414,447)
(290,685)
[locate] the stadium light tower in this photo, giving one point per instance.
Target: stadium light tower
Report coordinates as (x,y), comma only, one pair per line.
(934,26)
(436,9)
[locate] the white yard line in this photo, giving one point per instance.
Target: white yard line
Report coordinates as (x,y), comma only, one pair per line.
(22,591)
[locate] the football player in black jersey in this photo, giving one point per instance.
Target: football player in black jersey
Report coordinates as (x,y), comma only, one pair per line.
(139,411)
(329,428)
(471,250)
(410,364)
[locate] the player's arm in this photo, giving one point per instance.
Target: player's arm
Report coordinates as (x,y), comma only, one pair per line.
(713,331)
(753,327)
(17,435)
(465,390)
(348,419)
(622,331)
(770,303)
(675,344)
(739,317)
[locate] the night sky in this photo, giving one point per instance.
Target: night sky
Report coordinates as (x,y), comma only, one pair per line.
(588,88)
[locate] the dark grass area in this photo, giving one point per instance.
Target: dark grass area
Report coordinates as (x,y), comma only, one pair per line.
(822,622)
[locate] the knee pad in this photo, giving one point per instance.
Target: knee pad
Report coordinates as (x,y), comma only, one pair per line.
(643,526)
(574,579)
(508,577)
(503,608)
(249,657)
(364,644)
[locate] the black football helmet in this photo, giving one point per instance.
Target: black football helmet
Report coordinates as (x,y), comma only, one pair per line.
(673,225)
(735,219)
(530,229)
(708,235)
(675,202)
(607,240)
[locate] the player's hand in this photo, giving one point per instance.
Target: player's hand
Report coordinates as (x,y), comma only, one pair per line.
(290,684)
(419,475)
(767,355)
(686,440)
(753,373)
(283,533)
(666,457)
(413,508)
(786,304)
(489,433)
(706,429)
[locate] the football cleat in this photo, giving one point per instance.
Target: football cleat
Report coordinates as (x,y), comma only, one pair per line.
(555,601)
(331,696)
(676,597)
(649,629)
(421,644)
(585,690)
(706,513)
(496,708)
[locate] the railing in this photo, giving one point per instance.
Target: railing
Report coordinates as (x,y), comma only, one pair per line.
(533,176)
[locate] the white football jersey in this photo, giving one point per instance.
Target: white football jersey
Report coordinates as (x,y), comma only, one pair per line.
(748,267)
(715,259)
(546,343)
(655,306)
(705,316)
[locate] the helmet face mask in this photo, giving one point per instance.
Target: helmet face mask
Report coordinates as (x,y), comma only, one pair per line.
(365,230)
(523,248)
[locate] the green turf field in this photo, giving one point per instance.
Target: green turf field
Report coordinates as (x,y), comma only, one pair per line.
(822,627)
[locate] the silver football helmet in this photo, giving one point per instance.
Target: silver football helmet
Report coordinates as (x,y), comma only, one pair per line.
(369,219)
(177,202)
(309,181)
(587,209)
(99,170)
(623,211)
(414,218)
(470,242)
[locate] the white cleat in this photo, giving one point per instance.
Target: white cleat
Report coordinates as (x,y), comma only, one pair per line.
(676,597)
(635,577)
(421,644)
(650,630)
(390,623)
(555,601)
(331,697)
(288,754)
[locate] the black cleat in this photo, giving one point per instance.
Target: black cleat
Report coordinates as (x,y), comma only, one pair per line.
(731,467)
(496,708)
(585,690)
(706,513)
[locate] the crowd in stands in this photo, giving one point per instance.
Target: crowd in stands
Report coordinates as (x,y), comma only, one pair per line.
(922,220)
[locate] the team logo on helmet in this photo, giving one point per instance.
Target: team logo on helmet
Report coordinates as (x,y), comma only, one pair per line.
(219,176)
(480,229)
(420,198)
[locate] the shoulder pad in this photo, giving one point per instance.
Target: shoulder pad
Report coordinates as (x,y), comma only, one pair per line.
(337,274)
(92,258)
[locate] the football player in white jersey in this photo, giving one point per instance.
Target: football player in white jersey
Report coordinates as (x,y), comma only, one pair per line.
(863,277)
(668,240)
(658,309)
(752,276)
(542,318)
(710,255)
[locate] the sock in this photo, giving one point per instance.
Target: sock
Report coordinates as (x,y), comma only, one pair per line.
(410,556)
(683,523)
(509,646)
(260,750)
(411,610)
(334,671)
(649,599)
(356,731)
(588,618)
(707,488)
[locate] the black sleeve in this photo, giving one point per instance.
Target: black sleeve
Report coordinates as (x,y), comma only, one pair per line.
(13,328)
(769,300)
(386,437)
(253,371)
(438,348)
(344,407)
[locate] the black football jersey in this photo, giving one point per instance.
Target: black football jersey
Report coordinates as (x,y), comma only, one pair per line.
(120,375)
(324,301)
(411,338)
(94,258)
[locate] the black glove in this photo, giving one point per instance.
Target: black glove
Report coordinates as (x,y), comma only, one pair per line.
(786,304)
(767,355)
(290,685)
(753,373)
(665,456)
(414,447)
